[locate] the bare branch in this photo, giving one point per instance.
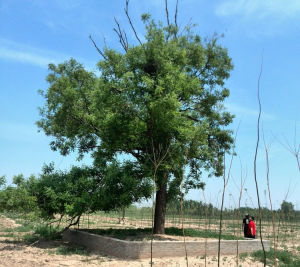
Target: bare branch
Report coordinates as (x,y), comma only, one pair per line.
(167,12)
(72,223)
(104,41)
(100,52)
(176,12)
(122,37)
(188,25)
(132,27)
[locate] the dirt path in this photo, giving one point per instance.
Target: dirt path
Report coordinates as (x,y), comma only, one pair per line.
(14,253)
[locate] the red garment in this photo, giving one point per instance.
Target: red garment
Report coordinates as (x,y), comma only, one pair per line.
(251,225)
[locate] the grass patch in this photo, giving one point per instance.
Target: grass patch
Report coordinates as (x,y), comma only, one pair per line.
(71,250)
(43,232)
(24,228)
(48,232)
(30,238)
(243,256)
(132,233)
(120,233)
(286,258)
(9,234)
(199,233)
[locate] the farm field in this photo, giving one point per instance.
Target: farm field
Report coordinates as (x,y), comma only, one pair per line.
(27,243)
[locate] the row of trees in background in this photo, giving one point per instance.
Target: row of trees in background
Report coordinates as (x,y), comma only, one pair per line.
(199,208)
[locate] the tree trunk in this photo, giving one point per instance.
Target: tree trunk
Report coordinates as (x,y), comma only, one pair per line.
(160,210)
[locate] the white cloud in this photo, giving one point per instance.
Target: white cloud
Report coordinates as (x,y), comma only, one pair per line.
(13,51)
(25,57)
(22,53)
(243,111)
(281,9)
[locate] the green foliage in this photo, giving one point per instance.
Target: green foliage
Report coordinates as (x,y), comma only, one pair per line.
(2,181)
(166,93)
(287,208)
(74,192)
(121,185)
(65,193)
(192,207)
(19,180)
(85,189)
(17,199)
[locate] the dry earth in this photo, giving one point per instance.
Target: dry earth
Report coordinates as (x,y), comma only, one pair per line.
(14,253)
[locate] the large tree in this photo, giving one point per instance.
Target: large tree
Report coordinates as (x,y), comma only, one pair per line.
(159,103)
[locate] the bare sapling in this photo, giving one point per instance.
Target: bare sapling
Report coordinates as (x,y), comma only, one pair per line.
(225,182)
(181,211)
(270,200)
(254,163)
(242,183)
(205,221)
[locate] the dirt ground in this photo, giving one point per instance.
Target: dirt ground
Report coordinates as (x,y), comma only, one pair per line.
(14,253)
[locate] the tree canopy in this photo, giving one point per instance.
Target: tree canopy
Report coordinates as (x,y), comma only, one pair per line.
(158,103)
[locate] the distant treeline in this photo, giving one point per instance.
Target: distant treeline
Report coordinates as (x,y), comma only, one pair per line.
(199,208)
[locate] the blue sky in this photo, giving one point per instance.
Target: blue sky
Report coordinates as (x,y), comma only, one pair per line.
(34,33)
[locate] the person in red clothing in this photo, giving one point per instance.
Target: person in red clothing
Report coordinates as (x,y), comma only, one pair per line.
(251,228)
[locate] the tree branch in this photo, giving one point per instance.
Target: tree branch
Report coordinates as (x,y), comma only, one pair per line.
(167,12)
(99,51)
(176,12)
(132,27)
(122,36)
(72,223)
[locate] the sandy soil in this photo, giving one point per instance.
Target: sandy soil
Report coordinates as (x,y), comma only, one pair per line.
(15,253)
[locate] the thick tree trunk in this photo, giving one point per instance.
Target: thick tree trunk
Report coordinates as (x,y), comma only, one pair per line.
(160,210)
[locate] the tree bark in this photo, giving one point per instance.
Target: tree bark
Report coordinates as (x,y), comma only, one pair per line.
(160,209)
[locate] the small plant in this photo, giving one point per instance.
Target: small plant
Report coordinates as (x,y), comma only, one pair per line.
(48,233)
(243,256)
(30,238)
(43,232)
(70,250)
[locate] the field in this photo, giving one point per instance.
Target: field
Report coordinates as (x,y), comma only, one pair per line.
(28,242)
